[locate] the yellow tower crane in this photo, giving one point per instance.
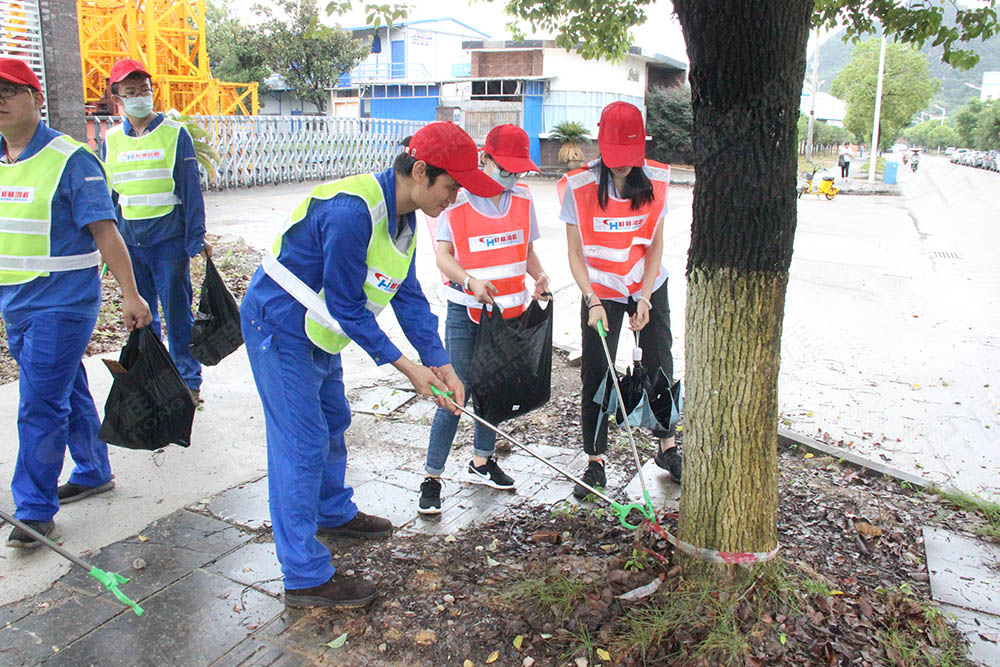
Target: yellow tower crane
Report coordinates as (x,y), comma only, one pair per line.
(168,36)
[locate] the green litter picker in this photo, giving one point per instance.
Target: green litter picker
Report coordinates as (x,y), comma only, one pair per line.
(111,580)
(621,510)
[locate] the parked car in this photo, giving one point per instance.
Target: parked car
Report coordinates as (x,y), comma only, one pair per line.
(948,151)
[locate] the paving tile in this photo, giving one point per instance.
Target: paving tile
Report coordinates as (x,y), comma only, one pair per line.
(304,631)
(254,653)
(193,622)
(49,622)
(664,492)
(254,564)
(971,624)
(173,547)
(380,400)
(420,412)
(244,505)
(392,502)
(962,570)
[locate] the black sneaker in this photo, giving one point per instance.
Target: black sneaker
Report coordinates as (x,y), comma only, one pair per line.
(430,496)
(670,460)
(489,474)
(21,539)
(594,476)
(70,492)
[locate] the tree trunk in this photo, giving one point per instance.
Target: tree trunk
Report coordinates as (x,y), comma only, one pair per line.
(747,67)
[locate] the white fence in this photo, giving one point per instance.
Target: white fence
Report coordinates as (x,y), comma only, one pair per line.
(267,150)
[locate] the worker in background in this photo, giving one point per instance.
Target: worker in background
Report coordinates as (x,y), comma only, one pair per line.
(161,213)
(345,254)
(56,220)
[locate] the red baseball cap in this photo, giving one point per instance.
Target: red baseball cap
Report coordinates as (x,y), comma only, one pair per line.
(123,68)
(508,146)
(622,135)
(447,146)
(17,71)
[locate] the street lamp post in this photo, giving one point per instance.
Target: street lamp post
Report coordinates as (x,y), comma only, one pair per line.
(878,111)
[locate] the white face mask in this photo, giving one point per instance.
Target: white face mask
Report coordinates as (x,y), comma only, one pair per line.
(138,107)
(507,181)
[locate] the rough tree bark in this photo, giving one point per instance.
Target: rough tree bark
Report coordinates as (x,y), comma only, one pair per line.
(747,65)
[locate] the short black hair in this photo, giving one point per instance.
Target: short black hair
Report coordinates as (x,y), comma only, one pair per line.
(114,86)
(403,164)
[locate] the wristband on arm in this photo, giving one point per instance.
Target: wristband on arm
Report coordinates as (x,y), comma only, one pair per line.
(649,304)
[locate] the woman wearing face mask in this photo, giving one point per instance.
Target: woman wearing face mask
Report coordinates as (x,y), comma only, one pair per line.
(490,237)
(161,214)
(613,209)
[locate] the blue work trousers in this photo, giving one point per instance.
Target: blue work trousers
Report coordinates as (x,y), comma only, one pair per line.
(55,410)
(306,414)
(459,341)
(163,276)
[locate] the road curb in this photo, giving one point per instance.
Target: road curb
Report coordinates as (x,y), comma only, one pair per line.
(792,439)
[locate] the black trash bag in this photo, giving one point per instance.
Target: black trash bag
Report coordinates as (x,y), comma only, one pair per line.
(149,406)
(510,373)
(216,333)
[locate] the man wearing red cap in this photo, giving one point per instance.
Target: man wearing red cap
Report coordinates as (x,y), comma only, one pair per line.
(56,219)
(488,237)
(613,209)
(161,213)
(345,254)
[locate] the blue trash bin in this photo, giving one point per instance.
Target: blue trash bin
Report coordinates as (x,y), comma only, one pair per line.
(890,172)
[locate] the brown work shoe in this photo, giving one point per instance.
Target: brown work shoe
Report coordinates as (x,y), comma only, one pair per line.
(341,591)
(362,525)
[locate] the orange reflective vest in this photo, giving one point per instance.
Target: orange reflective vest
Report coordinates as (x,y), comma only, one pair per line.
(615,239)
(494,249)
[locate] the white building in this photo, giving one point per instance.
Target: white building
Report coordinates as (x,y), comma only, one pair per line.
(829,109)
(991,86)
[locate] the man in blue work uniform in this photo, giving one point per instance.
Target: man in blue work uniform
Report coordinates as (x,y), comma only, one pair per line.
(156,185)
(345,254)
(56,219)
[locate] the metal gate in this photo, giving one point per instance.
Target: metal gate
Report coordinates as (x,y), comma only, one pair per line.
(21,36)
(267,150)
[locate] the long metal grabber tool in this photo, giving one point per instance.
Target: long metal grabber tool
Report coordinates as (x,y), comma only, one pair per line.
(628,427)
(621,510)
(111,580)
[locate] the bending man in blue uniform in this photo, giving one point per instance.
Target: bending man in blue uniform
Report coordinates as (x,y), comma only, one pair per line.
(161,212)
(346,252)
(56,219)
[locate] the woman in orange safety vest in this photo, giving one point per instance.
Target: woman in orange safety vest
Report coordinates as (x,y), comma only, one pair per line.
(613,209)
(484,249)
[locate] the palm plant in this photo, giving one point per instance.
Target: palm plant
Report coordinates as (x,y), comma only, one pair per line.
(572,135)
(206,154)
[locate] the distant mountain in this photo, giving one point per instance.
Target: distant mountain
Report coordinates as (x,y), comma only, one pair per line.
(953,94)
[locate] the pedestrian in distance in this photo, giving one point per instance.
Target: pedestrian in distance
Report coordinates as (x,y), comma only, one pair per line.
(845,161)
(156,187)
(56,221)
(613,209)
(484,250)
(345,254)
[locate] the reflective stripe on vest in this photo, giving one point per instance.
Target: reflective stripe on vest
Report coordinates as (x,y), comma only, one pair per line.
(387,264)
(615,238)
(142,170)
(493,248)
(27,189)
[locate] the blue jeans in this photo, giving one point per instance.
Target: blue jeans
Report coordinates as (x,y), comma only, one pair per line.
(459,341)
(55,410)
(163,274)
(305,416)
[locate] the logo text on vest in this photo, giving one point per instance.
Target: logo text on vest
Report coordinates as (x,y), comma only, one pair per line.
(494,241)
(628,224)
(16,195)
(383,282)
(136,156)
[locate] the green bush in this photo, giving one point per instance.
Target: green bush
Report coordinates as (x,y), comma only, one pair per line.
(668,122)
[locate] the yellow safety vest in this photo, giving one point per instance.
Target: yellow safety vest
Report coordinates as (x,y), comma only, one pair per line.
(27,189)
(387,264)
(141,170)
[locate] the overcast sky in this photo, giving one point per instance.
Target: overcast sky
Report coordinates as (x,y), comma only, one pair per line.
(660,34)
